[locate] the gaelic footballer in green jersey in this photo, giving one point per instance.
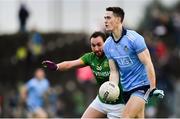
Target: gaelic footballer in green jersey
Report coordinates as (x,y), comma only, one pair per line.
(100,67)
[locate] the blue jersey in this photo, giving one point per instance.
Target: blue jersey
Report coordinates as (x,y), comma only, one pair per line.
(36,89)
(124,53)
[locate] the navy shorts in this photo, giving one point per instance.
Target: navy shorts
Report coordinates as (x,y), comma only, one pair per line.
(142,92)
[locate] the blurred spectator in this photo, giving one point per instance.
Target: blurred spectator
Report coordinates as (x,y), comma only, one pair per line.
(23,16)
(79,99)
(51,102)
(35,45)
(161,52)
(84,74)
(21,53)
(33,93)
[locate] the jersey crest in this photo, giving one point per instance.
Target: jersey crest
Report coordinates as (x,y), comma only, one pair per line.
(99,68)
(106,64)
(126,48)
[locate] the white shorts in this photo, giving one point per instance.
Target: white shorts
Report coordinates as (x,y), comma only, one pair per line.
(112,110)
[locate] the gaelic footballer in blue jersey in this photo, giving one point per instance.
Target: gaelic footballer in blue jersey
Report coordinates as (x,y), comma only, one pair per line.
(129,61)
(33,94)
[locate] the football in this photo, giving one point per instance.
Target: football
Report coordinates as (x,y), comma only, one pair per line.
(109,91)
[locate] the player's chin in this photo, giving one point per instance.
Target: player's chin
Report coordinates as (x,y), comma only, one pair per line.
(108,29)
(99,54)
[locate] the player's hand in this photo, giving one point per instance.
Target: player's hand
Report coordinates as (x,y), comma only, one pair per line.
(50,65)
(156,92)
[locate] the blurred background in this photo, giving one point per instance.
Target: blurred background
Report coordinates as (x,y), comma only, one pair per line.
(34,30)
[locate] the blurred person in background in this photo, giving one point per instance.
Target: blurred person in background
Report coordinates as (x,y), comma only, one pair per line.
(129,59)
(33,94)
(35,46)
(23,16)
(99,65)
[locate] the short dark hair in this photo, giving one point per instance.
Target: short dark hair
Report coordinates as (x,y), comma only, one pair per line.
(97,34)
(117,11)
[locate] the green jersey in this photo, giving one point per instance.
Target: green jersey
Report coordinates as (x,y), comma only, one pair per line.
(101,71)
(99,66)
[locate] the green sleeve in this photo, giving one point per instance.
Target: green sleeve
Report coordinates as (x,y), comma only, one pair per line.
(86,58)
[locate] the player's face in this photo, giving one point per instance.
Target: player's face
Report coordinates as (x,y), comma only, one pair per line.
(97,46)
(39,74)
(111,22)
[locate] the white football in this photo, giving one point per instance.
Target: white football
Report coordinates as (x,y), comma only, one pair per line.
(109,91)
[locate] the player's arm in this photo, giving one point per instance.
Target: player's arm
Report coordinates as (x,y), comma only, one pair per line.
(65,65)
(23,92)
(114,74)
(145,58)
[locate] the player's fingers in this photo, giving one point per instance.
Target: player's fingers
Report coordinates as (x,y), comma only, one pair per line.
(43,62)
(44,65)
(46,62)
(161,96)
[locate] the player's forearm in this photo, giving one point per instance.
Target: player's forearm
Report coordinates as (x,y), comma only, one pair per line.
(114,76)
(151,75)
(146,60)
(66,65)
(63,66)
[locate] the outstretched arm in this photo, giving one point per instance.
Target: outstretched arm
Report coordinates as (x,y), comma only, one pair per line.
(65,65)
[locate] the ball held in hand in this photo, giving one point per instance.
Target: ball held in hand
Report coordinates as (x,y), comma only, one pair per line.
(109,91)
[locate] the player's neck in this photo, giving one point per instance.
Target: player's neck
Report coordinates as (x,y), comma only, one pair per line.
(117,33)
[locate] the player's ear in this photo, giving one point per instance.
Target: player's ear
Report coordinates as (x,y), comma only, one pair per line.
(119,19)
